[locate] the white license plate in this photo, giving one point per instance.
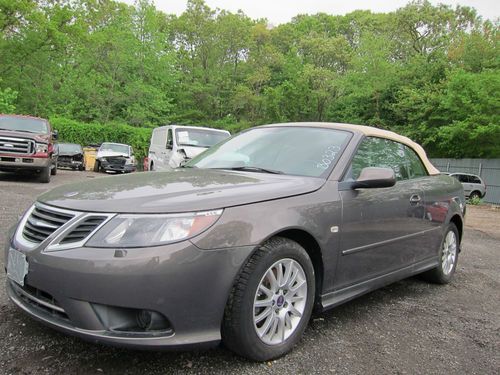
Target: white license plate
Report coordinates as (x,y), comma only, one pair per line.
(17,266)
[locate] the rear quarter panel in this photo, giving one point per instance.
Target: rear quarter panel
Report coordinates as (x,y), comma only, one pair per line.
(443,199)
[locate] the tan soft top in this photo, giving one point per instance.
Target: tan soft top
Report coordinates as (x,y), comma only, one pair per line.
(373,132)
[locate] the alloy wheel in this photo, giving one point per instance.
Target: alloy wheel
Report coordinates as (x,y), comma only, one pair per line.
(449,252)
(280,301)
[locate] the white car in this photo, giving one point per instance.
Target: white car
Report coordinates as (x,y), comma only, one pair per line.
(474,186)
(173,144)
(116,157)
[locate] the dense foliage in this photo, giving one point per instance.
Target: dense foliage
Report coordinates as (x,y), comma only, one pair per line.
(94,134)
(431,72)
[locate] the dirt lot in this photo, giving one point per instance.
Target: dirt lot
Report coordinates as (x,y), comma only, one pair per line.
(410,327)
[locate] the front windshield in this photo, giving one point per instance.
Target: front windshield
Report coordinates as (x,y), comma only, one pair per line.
(295,150)
(114,147)
(69,148)
(24,124)
(199,137)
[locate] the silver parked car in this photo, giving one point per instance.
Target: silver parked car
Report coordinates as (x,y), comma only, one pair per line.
(474,186)
(241,243)
(115,157)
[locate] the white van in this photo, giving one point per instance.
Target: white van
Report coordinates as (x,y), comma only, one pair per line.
(172,144)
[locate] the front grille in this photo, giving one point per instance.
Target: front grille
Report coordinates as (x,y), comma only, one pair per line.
(83,229)
(65,159)
(118,161)
(39,299)
(42,222)
(10,145)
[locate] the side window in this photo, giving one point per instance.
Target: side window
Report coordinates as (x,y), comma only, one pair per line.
(379,152)
(170,140)
(463,178)
(474,180)
(415,166)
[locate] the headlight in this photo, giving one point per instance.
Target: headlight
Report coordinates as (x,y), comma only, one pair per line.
(129,161)
(152,230)
(41,147)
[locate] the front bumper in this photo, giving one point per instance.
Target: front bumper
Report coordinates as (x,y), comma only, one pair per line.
(186,285)
(69,163)
(116,167)
(13,163)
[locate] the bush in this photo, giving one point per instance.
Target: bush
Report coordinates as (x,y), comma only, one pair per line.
(474,201)
(88,134)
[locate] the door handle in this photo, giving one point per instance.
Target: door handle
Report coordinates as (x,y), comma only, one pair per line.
(415,198)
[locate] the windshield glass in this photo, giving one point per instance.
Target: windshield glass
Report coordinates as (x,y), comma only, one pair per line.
(199,137)
(297,150)
(69,148)
(29,125)
(114,147)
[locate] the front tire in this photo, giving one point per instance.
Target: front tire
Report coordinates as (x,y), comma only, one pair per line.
(271,301)
(44,175)
(53,170)
(448,257)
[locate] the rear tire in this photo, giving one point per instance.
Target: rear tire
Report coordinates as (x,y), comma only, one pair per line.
(44,175)
(262,319)
(448,257)
(475,195)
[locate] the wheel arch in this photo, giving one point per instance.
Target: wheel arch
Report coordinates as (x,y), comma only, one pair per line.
(457,220)
(313,249)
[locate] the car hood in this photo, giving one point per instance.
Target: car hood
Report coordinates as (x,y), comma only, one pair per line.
(181,190)
(70,153)
(43,138)
(106,154)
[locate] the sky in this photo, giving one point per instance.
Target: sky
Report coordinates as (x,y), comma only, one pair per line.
(282,11)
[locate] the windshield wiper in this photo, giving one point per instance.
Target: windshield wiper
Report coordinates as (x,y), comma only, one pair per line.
(253,169)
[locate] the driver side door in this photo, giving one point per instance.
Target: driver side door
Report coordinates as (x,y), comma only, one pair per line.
(380,226)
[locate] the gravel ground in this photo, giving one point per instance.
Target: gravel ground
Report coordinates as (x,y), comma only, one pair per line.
(409,327)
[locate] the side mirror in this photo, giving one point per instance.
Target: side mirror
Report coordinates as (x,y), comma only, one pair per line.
(55,134)
(373,177)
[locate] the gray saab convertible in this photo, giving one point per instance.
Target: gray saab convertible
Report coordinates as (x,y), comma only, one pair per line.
(241,243)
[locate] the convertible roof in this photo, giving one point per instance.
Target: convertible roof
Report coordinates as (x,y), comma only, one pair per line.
(372,132)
